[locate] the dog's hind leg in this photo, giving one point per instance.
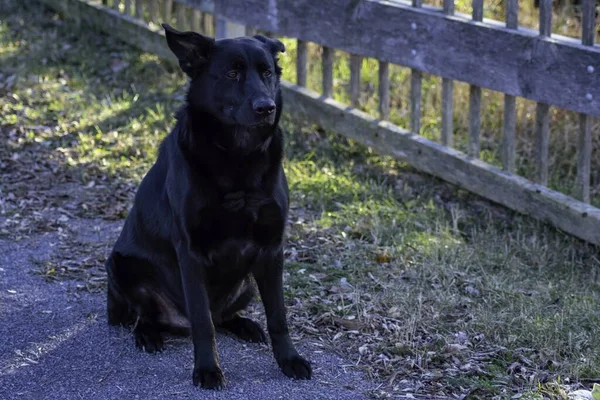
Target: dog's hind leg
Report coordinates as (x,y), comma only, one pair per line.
(117,308)
(134,303)
(244,328)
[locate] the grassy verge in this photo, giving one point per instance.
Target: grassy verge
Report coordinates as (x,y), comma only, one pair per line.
(430,289)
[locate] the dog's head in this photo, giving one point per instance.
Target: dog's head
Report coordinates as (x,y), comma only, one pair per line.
(235,80)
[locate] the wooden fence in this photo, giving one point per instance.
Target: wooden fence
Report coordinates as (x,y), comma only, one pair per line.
(502,56)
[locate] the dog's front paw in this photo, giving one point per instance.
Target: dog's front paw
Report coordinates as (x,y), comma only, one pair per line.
(296,367)
(209,378)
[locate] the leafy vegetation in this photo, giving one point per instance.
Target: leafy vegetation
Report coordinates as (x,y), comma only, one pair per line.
(424,286)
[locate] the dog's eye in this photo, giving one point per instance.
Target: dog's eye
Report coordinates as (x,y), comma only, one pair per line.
(232,74)
(267,73)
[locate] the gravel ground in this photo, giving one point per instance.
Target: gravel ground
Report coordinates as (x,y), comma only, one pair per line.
(55,344)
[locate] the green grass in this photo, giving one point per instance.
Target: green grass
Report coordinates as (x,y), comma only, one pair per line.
(421,284)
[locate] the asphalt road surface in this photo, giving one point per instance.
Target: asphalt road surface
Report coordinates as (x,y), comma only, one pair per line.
(55,344)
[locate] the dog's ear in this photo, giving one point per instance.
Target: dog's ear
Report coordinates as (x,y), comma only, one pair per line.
(191,49)
(274,45)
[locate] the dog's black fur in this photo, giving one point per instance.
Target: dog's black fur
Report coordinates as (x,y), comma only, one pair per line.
(210,213)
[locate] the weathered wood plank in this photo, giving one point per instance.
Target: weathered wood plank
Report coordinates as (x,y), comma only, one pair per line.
(302,63)
(448,95)
(327,79)
(509,138)
(449,7)
(584,144)
(584,158)
(512,14)
(153,11)
(491,56)
(447,111)
(474,120)
(116,4)
(572,216)
(416,83)
(477,10)
(384,90)
(127,10)
(355,64)
(208,24)
(139,9)
(180,17)
(475,98)
(168,10)
(542,135)
(545,18)
(542,141)
(196,23)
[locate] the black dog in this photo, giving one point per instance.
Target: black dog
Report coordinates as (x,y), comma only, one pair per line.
(210,213)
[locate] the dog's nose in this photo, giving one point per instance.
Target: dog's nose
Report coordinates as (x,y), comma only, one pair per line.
(264,106)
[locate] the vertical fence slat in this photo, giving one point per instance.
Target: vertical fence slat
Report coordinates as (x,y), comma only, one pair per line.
(584,157)
(153,11)
(139,9)
(512,14)
(327,81)
(449,7)
(180,17)
(584,144)
(542,128)
(510,103)
(301,63)
(355,64)
(545,17)
(127,7)
(208,24)
(474,120)
(478,10)
(448,95)
(543,110)
(416,81)
(509,140)
(447,111)
(475,98)
(168,10)
(196,22)
(384,90)
(116,4)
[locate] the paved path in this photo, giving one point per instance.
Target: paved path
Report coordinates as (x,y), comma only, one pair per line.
(55,344)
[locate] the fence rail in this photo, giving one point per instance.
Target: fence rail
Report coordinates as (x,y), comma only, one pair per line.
(552,70)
